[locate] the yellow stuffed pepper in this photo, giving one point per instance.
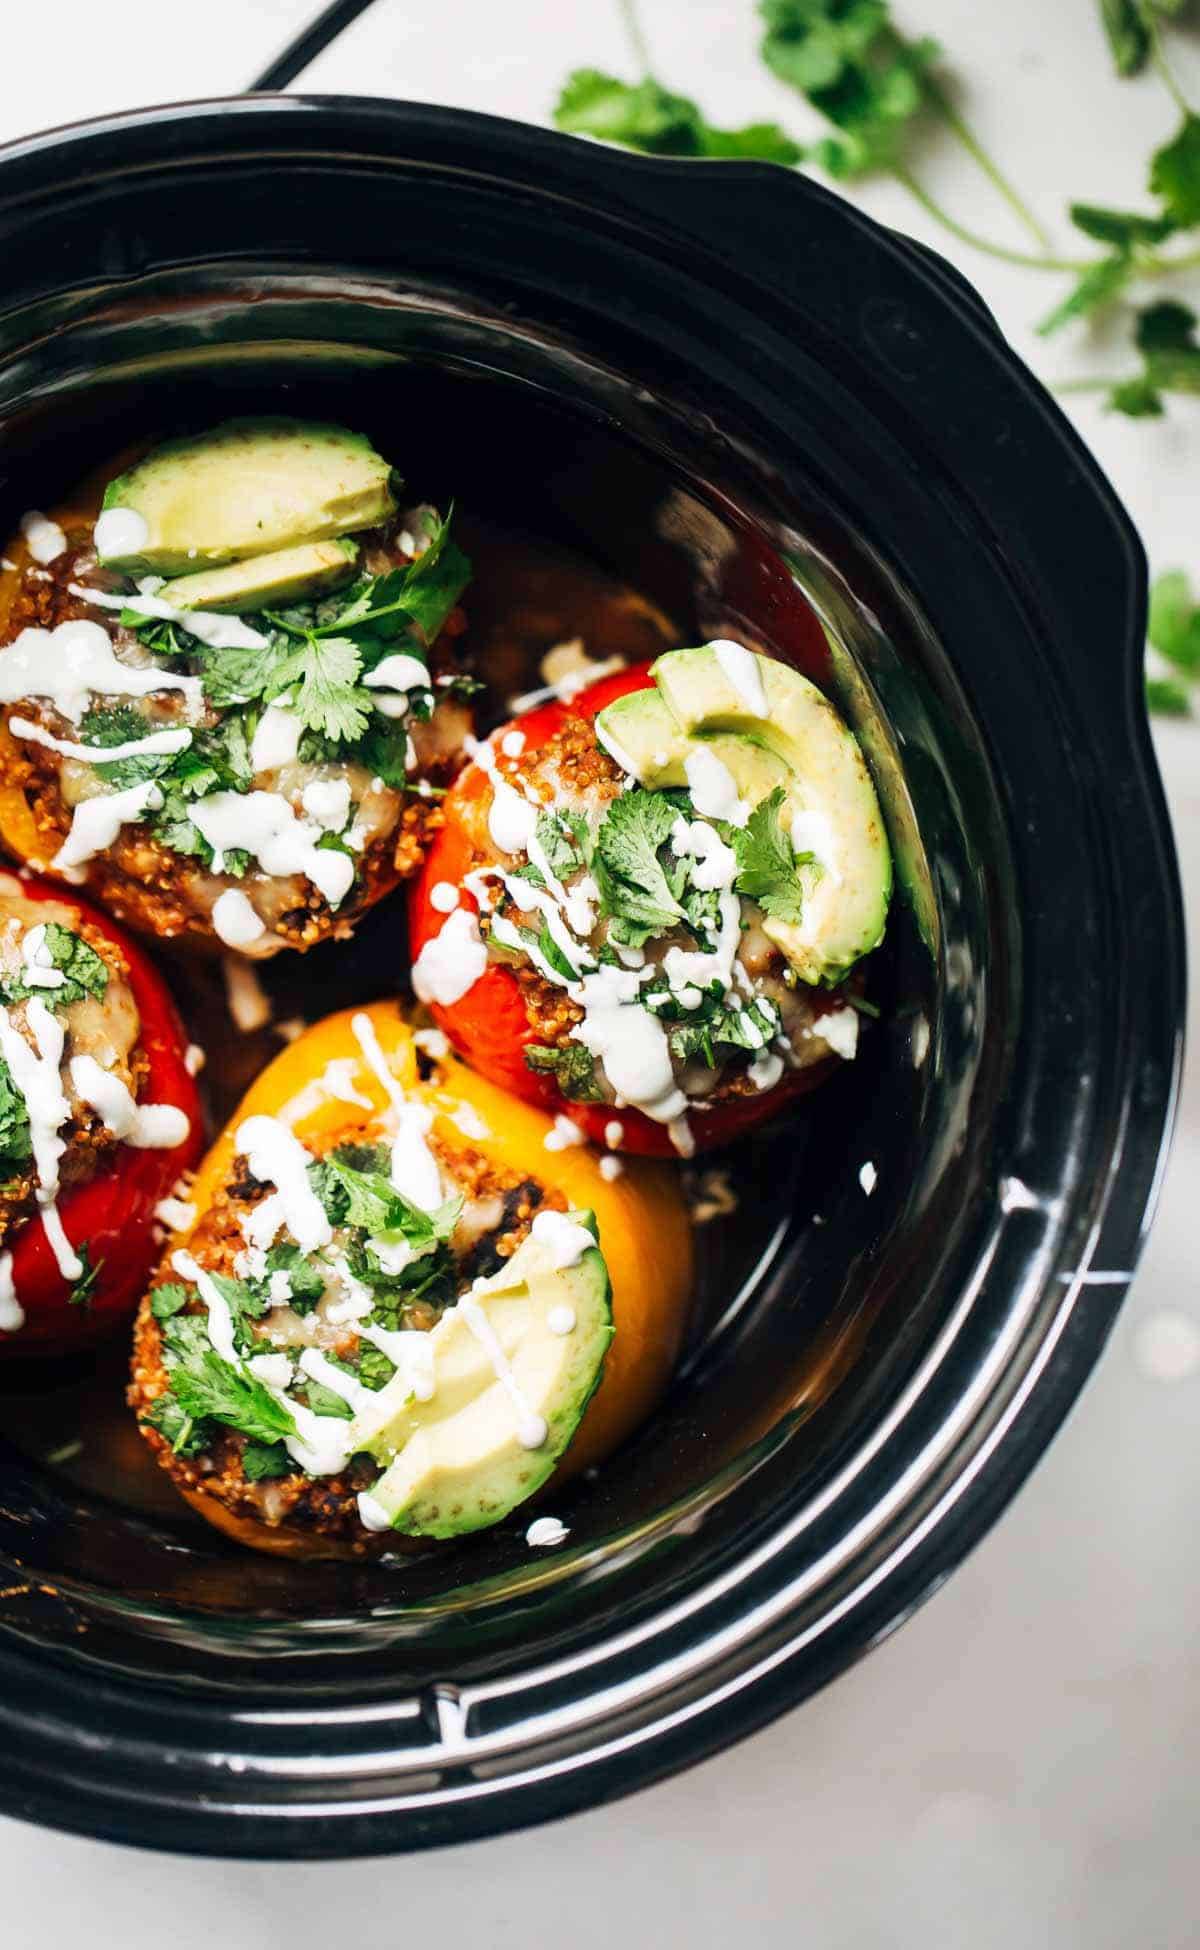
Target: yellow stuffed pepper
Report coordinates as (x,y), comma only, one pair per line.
(398,1310)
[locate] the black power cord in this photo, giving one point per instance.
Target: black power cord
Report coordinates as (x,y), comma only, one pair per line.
(315,38)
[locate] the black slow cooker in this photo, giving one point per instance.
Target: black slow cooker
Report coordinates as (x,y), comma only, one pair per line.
(780,420)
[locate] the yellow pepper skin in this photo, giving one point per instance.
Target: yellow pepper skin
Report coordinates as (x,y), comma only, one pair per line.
(645,1233)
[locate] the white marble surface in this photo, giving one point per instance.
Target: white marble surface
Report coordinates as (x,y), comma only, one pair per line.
(1017,1767)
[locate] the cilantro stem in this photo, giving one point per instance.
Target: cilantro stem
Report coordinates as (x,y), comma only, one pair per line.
(1025,259)
(940,102)
(637,39)
(1158,54)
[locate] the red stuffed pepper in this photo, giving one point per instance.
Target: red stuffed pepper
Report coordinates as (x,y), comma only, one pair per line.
(99,1117)
(644,906)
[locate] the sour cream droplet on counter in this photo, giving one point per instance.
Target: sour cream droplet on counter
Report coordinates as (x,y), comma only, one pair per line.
(235,921)
(43,538)
(451,962)
(741,667)
(120,532)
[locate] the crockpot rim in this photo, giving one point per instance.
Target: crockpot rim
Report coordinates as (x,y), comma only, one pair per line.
(1072,1348)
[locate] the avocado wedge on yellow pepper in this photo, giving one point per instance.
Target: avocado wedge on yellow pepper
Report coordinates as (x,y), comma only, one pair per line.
(397,1313)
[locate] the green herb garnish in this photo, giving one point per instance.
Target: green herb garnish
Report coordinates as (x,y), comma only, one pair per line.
(572,1067)
(766,864)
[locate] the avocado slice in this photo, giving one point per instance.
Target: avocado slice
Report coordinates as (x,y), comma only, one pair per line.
(830,804)
(456,1462)
(246,488)
(289,575)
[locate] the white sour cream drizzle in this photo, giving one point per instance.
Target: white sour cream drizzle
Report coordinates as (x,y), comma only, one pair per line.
(147,1127)
(120,532)
(69,664)
(40,971)
(235,921)
(165,742)
(12,1313)
(264,825)
(220,1320)
(741,667)
(276,1156)
(37,1075)
(563,1240)
(318,1367)
(451,962)
(276,739)
(395,676)
(43,538)
(95,823)
(217,631)
(712,787)
(414,1173)
(531,1429)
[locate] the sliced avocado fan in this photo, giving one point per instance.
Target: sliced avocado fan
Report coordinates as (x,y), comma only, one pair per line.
(513,1368)
(768,725)
(247,488)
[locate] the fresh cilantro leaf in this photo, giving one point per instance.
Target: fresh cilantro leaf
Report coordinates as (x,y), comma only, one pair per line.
(306,1277)
(1128,38)
(264,1460)
(530,873)
(186,1435)
(1168,698)
(1175,174)
(572,1067)
(119,725)
(766,864)
(368,1199)
(321,677)
(1173,626)
(383,751)
(559,841)
(847,59)
(83,971)
(718,1025)
(237,676)
(1096,287)
(245,1302)
(206,1385)
(326,1401)
(1166,338)
(16,1146)
(84,1288)
(374,1368)
(644,115)
(635,891)
(1124,228)
(380,613)
(169,1299)
(549,950)
(185,1338)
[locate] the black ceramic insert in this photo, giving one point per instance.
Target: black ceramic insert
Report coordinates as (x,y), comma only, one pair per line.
(763,410)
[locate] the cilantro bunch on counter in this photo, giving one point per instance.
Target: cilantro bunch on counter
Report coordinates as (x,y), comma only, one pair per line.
(879,93)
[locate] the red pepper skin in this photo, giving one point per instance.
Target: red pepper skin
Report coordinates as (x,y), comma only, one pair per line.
(489,1026)
(113,1213)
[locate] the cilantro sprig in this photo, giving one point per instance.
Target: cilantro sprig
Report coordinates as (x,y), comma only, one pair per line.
(83,971)
(766,865)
